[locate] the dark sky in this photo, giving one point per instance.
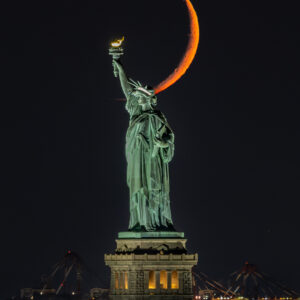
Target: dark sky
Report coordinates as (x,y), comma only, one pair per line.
(235,175)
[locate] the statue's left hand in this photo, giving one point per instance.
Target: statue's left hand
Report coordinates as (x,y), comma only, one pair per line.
(160,143)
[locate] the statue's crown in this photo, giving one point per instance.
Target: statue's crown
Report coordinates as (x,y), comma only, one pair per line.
(144,89)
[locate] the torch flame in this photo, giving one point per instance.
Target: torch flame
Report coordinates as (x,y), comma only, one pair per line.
(189,54)
(117,43)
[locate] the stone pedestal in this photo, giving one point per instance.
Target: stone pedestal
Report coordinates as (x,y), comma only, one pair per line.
(151,268)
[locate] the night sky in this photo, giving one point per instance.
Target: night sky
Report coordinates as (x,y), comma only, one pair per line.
(236,171)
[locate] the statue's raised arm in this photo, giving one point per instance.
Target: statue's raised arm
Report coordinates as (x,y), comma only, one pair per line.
(126,87)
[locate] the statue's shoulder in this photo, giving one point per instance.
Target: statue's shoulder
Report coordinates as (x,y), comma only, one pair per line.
(157,112)
(160,115)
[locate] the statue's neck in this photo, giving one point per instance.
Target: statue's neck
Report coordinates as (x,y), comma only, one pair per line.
(146,107)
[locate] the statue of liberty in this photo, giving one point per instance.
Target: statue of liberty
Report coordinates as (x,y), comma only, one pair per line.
(149,149)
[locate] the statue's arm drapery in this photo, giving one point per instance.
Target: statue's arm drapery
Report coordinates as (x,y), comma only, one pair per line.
(126,87)
(168,152)
(164,139)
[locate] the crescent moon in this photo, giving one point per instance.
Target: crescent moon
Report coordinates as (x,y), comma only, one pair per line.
(190,52)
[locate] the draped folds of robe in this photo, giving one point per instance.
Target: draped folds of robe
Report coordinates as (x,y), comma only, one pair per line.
(147,168)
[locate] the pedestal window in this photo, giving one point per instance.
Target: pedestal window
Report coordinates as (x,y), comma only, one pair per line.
(116,280)
(174,280)
(126,280)
(152,280)
(163,280)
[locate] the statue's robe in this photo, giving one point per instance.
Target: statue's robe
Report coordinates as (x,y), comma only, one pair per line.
(147,168)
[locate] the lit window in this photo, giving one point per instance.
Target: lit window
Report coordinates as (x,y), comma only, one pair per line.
(163,280)
(174,280)
(152,281)
(116,280)
(126,280)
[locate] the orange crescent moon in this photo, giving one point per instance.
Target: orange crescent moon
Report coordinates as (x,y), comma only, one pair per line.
(190,52)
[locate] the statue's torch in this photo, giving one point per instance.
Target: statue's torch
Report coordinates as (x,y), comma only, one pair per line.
(116,51)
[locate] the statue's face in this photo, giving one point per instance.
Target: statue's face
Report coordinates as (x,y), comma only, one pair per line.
(143,100)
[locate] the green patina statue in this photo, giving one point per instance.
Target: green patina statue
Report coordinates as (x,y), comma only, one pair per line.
(149,149)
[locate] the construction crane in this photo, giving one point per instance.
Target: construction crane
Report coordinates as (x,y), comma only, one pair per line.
(70,261)
(249,282)
(59,284)
(208,288)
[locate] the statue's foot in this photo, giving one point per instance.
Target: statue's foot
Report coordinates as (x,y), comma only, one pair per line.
(138,228)
(141,228)
(168,228)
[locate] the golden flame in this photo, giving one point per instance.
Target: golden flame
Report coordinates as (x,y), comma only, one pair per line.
(189,54)
(117,43)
